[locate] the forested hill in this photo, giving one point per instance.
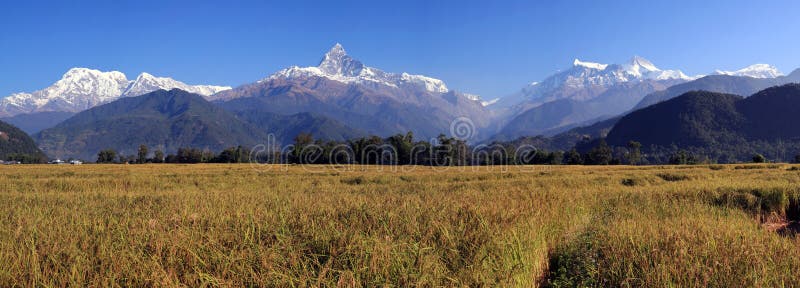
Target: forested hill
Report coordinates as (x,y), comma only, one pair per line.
(16,145)
(719,125)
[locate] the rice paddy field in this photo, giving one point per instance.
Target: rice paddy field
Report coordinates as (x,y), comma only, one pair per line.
(373,226)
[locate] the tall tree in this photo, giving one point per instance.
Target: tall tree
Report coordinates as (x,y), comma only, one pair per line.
(107,156)
(304,151)
(600,154)
(142,154)
(403,144)
(158,156)
(573,157)
(634,155)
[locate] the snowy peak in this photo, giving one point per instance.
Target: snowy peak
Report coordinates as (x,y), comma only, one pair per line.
(337,65)
(145,76)
(83,88)
(585,80)
(590,65)
(146,83)
(337,62)
(334,56)
(754,71)
(641,68)
(642,63)
(637,68)
(77,74)
(337,51)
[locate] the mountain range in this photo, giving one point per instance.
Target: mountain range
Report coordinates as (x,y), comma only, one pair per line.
(32,123)
(724,126)
(589,92)
(559,115)
(168,120)
(342,98)
(738,85)
(82,88)
(165,120)
(361,97)
(584,81)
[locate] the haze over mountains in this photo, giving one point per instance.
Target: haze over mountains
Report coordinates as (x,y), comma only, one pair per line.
(585,80)
(738,85)
(14,142)
(342,98)
(725,127)
(753,71)
(590,92)
(165,120)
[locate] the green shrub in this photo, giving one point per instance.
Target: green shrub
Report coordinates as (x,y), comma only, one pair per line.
(629,182)
(673,177)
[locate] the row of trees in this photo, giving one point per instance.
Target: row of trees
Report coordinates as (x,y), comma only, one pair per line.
(447,151)
(403,149)
(26,158)
(237,154)
(400,149)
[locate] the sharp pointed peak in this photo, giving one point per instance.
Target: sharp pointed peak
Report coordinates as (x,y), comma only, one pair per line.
(636,59)
(336,50)
(335,55)
(336,62)
(640,61)
(145,75)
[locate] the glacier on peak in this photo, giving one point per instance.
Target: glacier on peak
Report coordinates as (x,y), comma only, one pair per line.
(83,88)
(337,65)
(146,83)
(574,82)
(637,61)
(641,68)
(754,71)
(490,102)
(591,65)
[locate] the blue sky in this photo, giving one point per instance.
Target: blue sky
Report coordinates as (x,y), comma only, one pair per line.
(491,48)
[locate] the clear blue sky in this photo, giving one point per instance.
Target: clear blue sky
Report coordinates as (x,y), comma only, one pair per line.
(491,48)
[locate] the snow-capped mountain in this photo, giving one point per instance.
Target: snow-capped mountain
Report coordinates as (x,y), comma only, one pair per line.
(146,83)
(591,91)
(338,66)
(585,80)
(361,97)
(754,71)
(641,68)
(82,88)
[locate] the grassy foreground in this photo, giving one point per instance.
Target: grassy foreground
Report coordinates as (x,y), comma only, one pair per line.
(361,226)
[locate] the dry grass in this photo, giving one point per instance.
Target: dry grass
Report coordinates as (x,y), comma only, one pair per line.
(232,225)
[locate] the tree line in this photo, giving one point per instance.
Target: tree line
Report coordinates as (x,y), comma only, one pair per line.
(403,149)
(188,155)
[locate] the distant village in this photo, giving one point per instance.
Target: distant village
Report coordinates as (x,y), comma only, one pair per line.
(56,161)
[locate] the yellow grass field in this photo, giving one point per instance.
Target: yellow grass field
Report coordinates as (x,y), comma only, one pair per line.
(367,226)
